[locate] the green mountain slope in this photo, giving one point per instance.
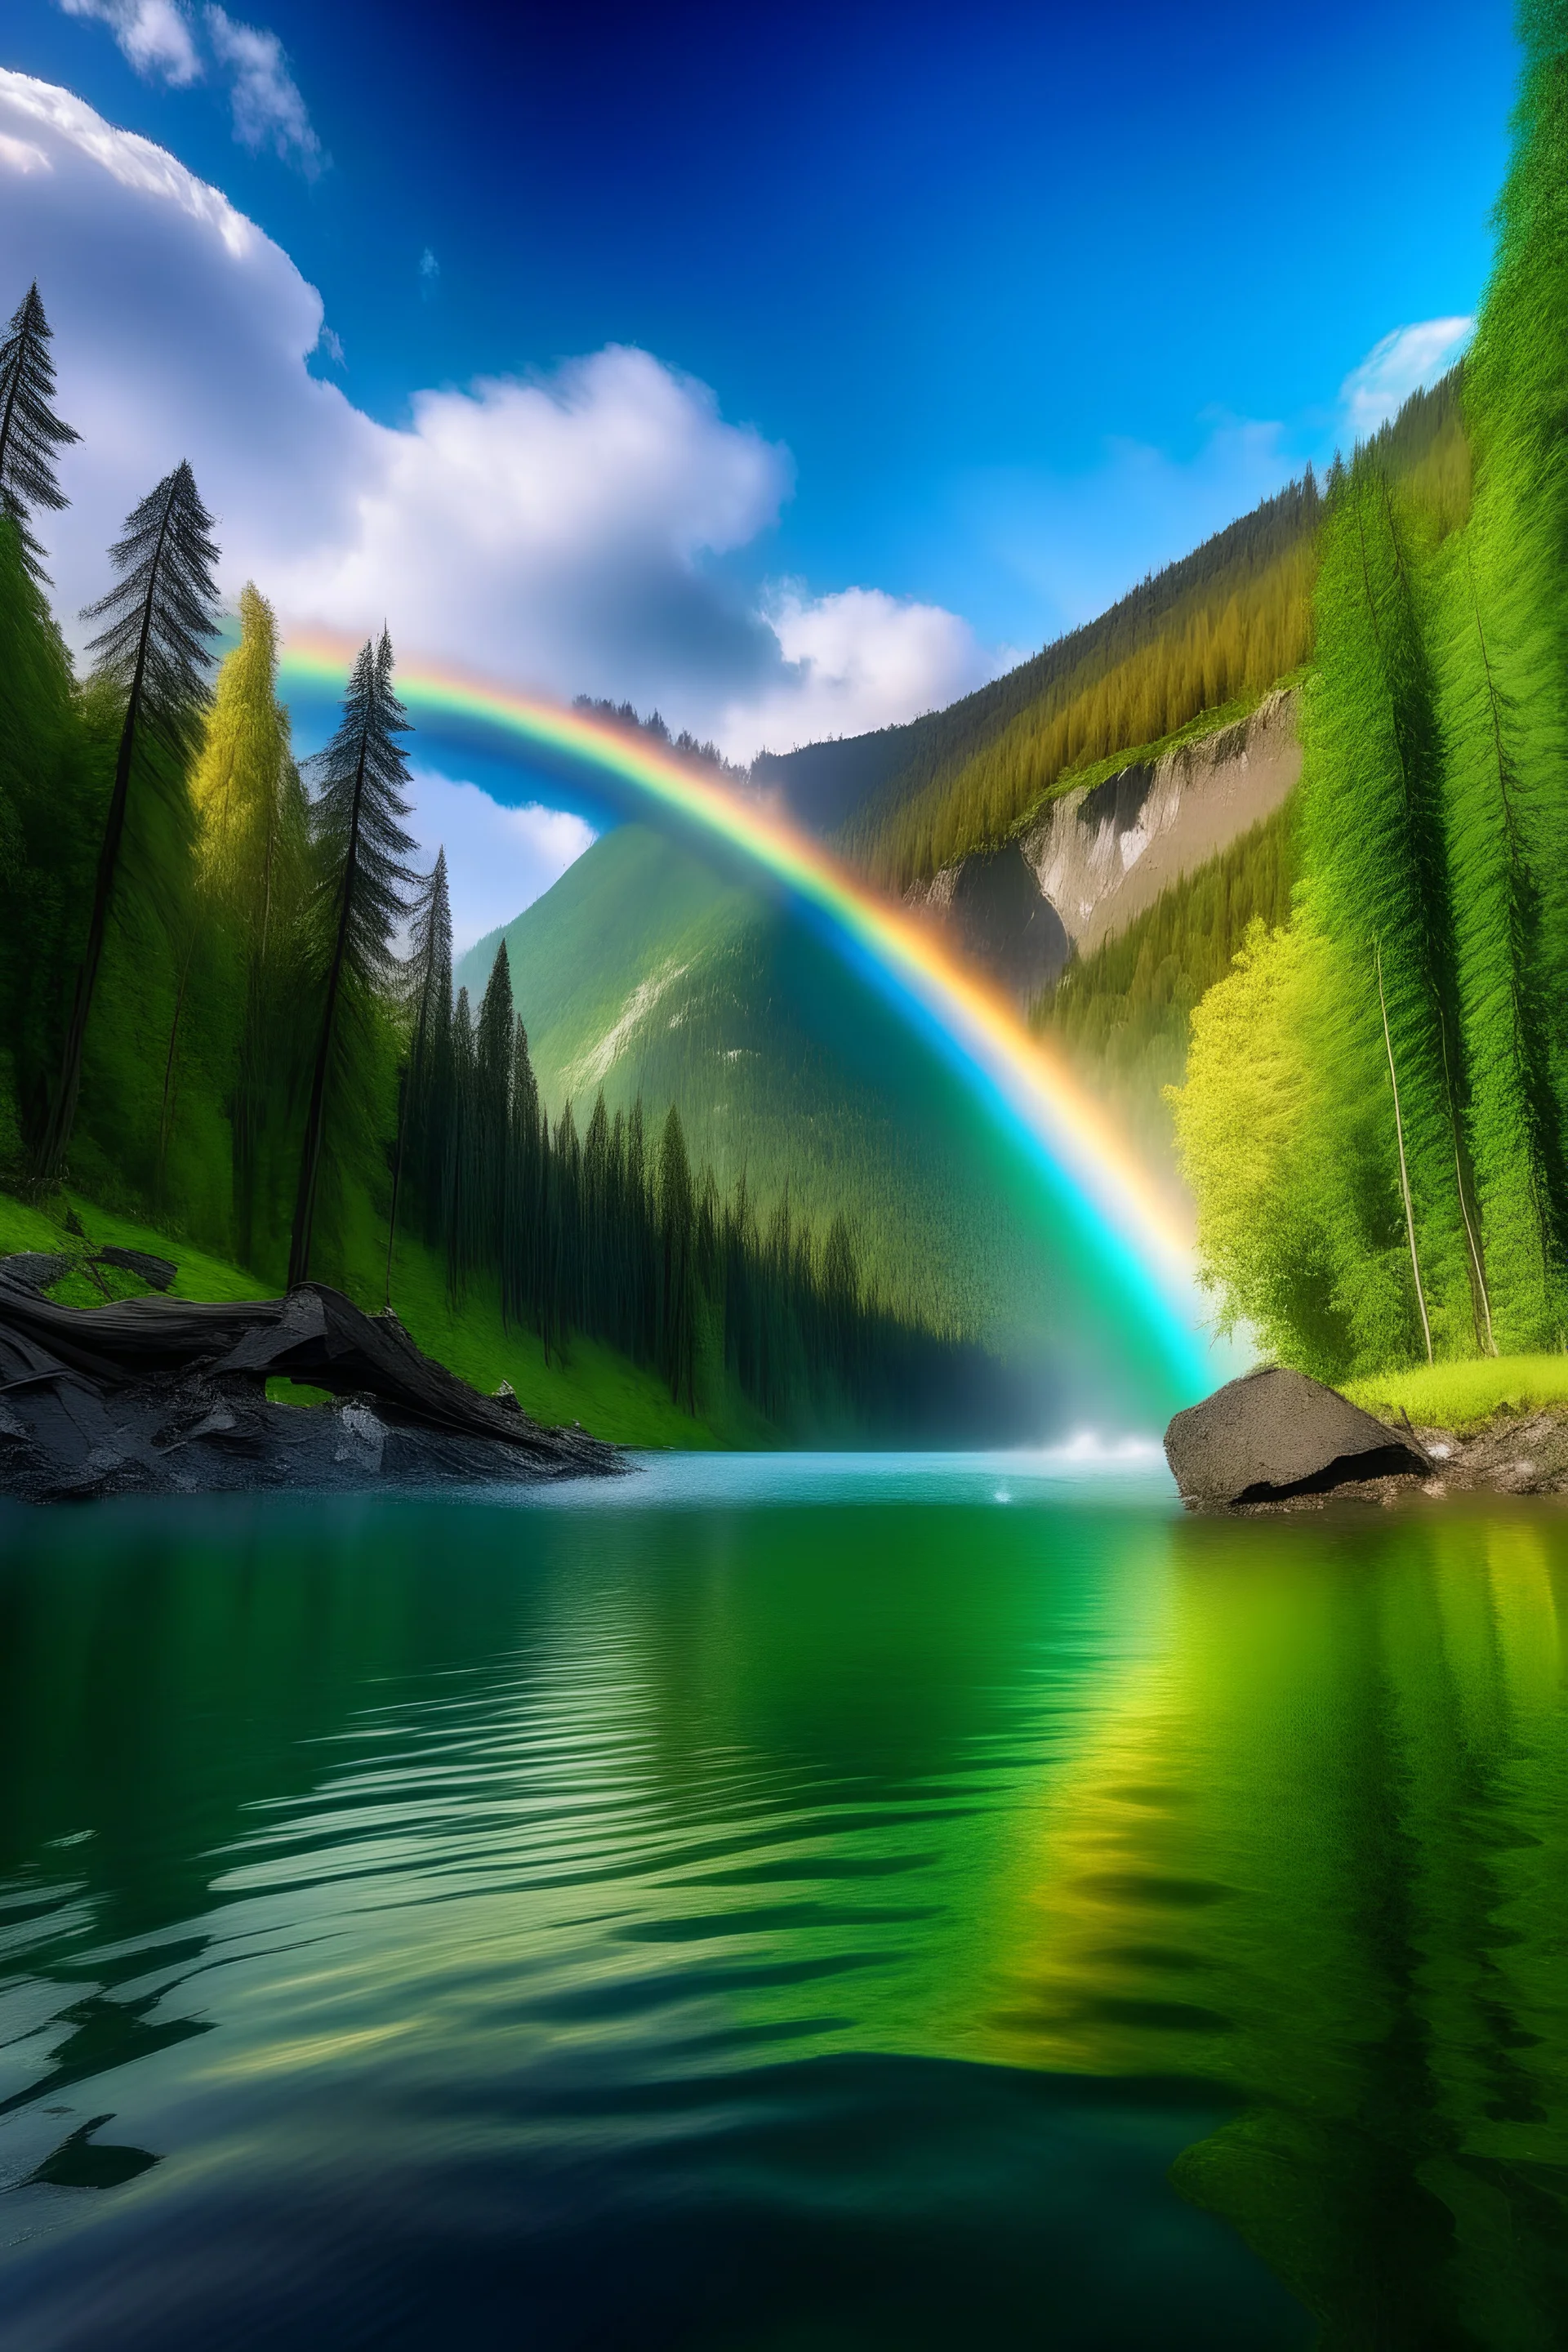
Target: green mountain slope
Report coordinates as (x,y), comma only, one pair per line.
(1223,625)
(643,973)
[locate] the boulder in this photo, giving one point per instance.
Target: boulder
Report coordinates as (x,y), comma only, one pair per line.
(1275,1434)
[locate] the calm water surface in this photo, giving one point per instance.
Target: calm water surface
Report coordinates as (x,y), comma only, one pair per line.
(781,1904)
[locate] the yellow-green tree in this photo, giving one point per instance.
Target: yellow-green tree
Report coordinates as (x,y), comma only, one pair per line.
(1249,1123)
(251,872)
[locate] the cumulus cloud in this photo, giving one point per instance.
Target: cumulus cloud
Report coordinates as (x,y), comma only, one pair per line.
(268,108)
(856,660)
(498,859)
(1400,364)
(562,532)
(153,34)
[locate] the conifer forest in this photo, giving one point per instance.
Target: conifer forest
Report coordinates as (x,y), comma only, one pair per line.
(1376,1102)
(227,1006)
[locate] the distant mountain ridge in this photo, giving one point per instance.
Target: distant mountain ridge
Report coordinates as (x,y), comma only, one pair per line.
(644,971)
(826,785)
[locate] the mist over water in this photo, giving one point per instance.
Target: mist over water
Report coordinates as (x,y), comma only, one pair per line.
(775,1901)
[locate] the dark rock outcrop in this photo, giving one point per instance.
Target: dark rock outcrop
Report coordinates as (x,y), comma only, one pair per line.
(991,905)
(1275,1435)
(165,1396)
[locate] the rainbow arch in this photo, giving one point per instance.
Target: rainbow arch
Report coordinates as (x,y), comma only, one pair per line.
(1108,1211)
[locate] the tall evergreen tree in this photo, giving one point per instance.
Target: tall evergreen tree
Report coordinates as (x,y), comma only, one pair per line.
(152,651)
(359,902)
(1503,975)
(427,1010)
(460,1188)
(46,842)
(252,871)
(1508,678)
(1373,835)
(30,432)
(521,1267)
(677,1233)
(494,1046)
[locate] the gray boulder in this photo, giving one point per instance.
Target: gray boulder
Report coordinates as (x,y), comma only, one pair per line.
(1275,1433)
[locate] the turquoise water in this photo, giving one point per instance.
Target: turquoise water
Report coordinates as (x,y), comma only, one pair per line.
(780,1904)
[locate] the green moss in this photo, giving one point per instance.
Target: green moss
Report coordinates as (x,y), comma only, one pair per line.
(1465,1394)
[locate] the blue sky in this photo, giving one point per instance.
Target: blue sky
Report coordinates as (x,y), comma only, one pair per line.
(949,256)
(793,370)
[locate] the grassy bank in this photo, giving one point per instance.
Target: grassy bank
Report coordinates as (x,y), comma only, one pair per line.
(601,1390)
(1463,1395)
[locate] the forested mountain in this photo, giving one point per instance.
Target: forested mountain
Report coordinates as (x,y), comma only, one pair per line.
(206,1020)
(658,1114)
(1219,628)
(646,974)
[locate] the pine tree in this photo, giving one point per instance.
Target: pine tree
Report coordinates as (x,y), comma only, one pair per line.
(358,904)
(30,432)
(252,872)
(1373,847)
(46,845)
(521,1265)
(676,1236)
(152,651)
(460,1174)
(598,1210)
(494,1047)
(251,811)
(427,1010)
(1516,1135)
(1508,678)
(565,1228)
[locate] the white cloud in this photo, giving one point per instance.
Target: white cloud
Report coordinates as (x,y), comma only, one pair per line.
(269,111)
(20,155)
(856,660)
(561,533)
(159,38)
(498,859)
(1400,364)
(154,35)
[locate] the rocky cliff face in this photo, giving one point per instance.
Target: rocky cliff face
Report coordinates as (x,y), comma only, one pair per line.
(1095,858)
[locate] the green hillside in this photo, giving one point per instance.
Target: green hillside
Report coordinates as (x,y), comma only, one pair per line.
(643,973)
(594,1385)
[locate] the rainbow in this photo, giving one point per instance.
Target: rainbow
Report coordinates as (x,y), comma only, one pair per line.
(1108,1212)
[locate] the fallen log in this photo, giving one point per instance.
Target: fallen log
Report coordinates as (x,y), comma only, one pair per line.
(142,1394)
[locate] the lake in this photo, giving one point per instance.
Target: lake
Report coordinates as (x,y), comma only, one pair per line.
(784,1903)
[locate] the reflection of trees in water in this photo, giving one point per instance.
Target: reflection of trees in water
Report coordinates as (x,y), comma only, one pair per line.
(1275,1805)
(1322,1859)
